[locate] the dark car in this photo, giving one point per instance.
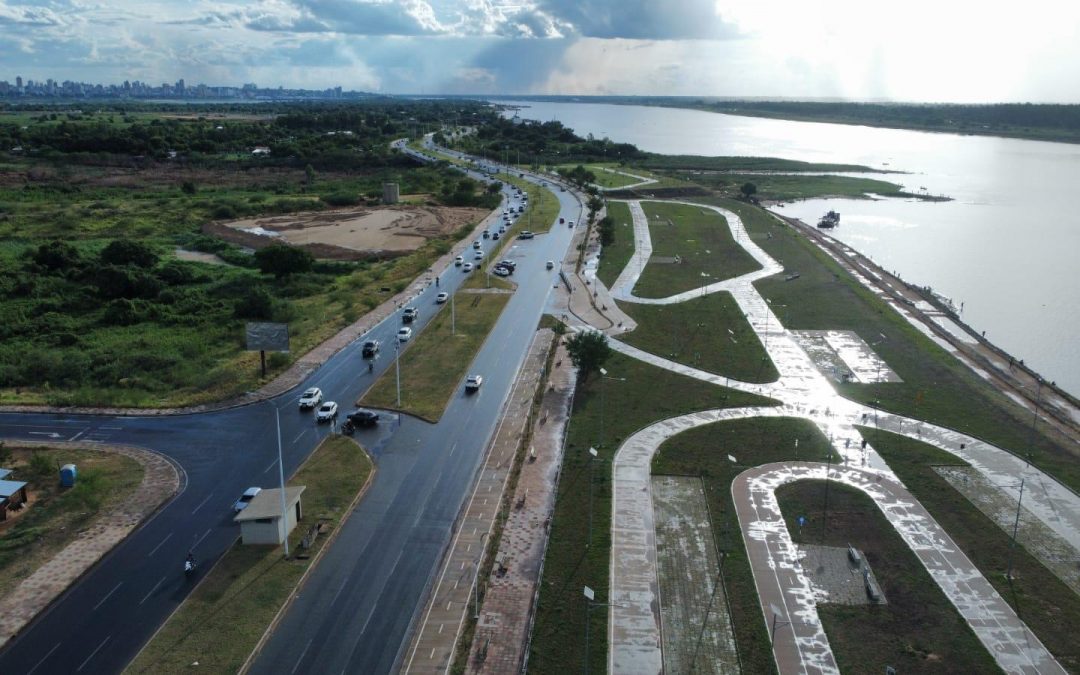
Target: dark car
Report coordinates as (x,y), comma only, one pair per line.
(508,264)
(363,418)
(371,348)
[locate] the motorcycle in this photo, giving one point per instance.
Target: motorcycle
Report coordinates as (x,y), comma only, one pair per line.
(189,567)
(348,428)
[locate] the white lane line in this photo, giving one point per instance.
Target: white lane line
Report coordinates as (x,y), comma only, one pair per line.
(102,601)
(38,664)
(147,596)
(297,665)
(83,665)
(453,449)
(368,620)
(202,503)
(154,550)
(298,437)
(272,465)
(199,540)
(339,590)
(76,436)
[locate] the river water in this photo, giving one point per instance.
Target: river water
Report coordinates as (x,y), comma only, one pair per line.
(1006,246)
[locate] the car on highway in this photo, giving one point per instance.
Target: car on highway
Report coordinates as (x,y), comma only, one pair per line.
(441,298)
(328,412)
(310,398)
(508,264)
(370,349)
(479,255)
(363,418)
(404,333)
(458,260)
(245,499)
(472,383)
(571,223)
(495,237)
(551,264)
(526,234)
(562,221)
(467,267)
(501,271)
(410,314)
(485,234)
(476,244)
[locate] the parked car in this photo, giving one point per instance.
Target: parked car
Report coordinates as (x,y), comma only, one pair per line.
(467,267)
(441,298)
(472,383)
(363,418)
(404,333)
(526,234)
(327,412)
(310,398)
(245,499)
(370,349)
(458,260)
(410,314)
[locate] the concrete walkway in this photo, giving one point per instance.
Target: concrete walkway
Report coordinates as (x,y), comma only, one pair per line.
(36,592)
(642,180)
(634,616)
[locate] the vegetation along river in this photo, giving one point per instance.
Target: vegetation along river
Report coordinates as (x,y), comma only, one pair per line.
(1006,246)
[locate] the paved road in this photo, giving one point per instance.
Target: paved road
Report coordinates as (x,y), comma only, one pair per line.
(394,538)
(355,610)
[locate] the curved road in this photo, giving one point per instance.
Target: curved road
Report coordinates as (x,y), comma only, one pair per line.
(356,608)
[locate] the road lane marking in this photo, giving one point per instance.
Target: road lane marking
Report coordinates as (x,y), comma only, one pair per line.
(152,552)
(452,449)
(339,590)
(293,442)
(297,665)
(83,665)
(272,465)
(102,601)
(147,596)
(368,620)
(202,503)
(38,664)
(76,436)
(199,540)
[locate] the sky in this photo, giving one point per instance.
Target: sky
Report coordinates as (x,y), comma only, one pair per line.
(918,50)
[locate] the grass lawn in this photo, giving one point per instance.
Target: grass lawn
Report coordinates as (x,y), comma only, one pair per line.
(703,452)
(609,179)
(32,536)
(703,242)
(936,387)
(1047,605)
(433,366)
(781,187)
(709,333)
(703,163)
(646,394)
(222,620)
(614,256)
(918,629)
(478,278)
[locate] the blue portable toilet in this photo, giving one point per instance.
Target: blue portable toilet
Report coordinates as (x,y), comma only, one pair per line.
(67,475)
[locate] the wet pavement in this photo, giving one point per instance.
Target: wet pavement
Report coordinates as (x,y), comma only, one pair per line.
(804,391)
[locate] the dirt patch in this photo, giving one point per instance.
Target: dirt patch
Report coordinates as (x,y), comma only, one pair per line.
(198,256)
(350,234)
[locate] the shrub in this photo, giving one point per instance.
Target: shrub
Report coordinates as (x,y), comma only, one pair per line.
(257,303)
(57,255)
(341,199)
(282,260)
(123,252)
(187,187)
(40,465)
(223,212)
(176,273)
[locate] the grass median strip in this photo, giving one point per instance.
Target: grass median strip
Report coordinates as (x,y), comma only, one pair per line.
(223,619)
(614,256)
(434,365)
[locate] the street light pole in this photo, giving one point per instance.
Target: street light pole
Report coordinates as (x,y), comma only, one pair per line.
(825,509)
(397,369)
(281,477)
(453,317)
(1016,525)
(603,376)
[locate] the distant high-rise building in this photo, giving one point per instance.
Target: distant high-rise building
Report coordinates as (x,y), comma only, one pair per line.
(180,85)
(18,82)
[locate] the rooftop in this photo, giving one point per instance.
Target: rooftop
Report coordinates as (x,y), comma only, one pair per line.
(267,504)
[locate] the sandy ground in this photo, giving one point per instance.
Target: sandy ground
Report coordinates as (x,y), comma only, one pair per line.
(361,230)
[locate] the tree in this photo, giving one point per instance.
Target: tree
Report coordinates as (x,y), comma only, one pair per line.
(57,255)
(282,260)
(607,231)
(123,252)
(589,351)
(748,189)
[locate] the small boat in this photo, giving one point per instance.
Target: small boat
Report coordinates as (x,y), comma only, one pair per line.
(829,220)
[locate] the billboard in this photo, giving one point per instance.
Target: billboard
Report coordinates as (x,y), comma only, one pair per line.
(269,337)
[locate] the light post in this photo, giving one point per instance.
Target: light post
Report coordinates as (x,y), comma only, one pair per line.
(825,508)
(1034,420)
(281,476)
(604,376)
(1016,526)
(453,321)
(593,459)
(397,369)
(590,605)
(476,579)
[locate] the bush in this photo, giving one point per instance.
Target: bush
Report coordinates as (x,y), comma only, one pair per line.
(176,273)
(257,303)
(126,282)
(282,260)
(223,212)
(58,256)
(123,252)
(40,465)
(120,312)
(187,187)
(341,199)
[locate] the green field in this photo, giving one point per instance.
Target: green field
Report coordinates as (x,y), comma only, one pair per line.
(433,366)
(639,395)
(784,187)
(708,332)
(614,256)
(220,623)
(702,241)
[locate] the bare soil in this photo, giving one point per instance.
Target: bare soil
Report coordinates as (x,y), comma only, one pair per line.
(352,233)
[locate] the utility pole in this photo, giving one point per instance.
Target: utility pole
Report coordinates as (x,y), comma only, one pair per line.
(1016,525)
(281,477)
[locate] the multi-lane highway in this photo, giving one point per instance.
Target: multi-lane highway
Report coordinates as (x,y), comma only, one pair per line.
(355,610)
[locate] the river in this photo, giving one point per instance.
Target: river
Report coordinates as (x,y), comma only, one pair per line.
(1005,246)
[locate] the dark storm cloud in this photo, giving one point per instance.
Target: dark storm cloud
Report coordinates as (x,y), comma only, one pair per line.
(519,65)
(642,19)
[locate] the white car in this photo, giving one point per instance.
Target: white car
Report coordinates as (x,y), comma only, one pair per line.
(479,255)
(467,267)
(245,499)
(404,334)
(441,298)
(327,412)
(458,260)
(472,383)
(311,398)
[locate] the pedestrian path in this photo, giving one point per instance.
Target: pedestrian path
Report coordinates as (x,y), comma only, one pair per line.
(634,615)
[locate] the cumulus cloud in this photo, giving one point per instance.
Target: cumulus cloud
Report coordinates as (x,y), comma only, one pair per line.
(29,16)
(642,19)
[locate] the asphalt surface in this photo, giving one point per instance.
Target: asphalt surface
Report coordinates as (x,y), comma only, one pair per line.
(354,613)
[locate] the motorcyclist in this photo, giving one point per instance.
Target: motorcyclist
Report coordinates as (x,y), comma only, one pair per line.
(189,564)
(371,366)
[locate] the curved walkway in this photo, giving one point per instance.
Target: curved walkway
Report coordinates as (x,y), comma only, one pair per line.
(634,619)
(642,180)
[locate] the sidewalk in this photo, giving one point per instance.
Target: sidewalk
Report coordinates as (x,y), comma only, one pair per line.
(432,647)
(36,592)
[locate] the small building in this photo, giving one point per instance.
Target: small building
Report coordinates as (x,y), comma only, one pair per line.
(12,495)
(261,521)
(390,193)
